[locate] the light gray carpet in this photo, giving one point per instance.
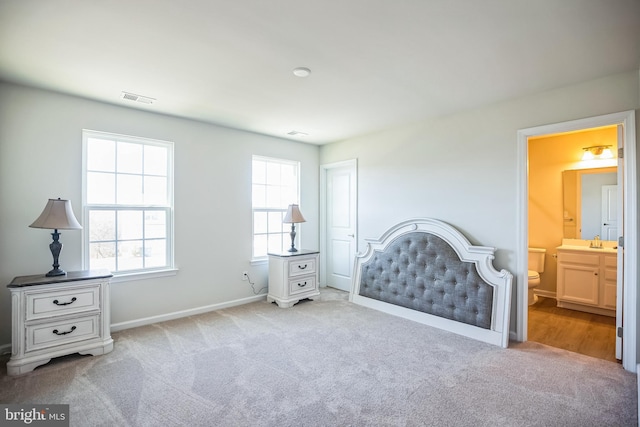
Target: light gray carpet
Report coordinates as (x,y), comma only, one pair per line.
(325,363)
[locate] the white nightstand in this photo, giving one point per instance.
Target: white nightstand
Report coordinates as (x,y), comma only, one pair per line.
(56,316)
(293,276)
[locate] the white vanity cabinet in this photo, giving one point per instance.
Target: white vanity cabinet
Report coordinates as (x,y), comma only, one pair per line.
(587,280)
(56,316)
(292,276)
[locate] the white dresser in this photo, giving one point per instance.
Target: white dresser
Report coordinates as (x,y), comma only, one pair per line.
(293,276)
(56,316)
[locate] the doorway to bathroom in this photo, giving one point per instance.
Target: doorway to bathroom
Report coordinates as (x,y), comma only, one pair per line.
(544,220)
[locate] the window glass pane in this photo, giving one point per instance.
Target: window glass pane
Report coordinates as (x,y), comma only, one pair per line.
(259,196)
(273,173)
(288,174)
(129,189)
(259,172)
(101,155)
(260,245)
(129,225)
(129,158)
(130,255)
(275,243)
(274,197)
(102,225)
(275,222)
(155,224)
(155,190)
(289,196)
(155,160)
(155,253)
(102,255)
(260,222)
(101,188)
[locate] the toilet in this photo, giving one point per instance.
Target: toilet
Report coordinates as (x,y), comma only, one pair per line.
(535,267)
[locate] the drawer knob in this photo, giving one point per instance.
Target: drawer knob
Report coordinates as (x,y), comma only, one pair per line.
(302,267)
(56,302)
(302,285)
(55,331)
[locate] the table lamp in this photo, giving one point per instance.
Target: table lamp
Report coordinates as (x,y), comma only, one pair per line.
(57,215)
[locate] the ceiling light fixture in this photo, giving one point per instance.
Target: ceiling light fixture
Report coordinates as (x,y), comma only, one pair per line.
(297,133)
(301,72)
(597,152)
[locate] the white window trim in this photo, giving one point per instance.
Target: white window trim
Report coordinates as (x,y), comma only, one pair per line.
(124,276)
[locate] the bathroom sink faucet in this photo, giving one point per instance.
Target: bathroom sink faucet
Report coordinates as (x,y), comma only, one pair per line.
(596,242)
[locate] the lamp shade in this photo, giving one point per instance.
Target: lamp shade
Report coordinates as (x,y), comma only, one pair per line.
(293,215)
(57,215)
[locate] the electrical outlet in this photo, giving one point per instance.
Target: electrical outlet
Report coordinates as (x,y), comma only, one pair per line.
(245,276)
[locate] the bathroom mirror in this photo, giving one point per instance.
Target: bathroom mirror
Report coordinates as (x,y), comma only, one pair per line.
(584,199)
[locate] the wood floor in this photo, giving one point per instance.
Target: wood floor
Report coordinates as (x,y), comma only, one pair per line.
(584,333)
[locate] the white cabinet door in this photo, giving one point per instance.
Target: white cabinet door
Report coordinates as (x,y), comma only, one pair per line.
(578,283)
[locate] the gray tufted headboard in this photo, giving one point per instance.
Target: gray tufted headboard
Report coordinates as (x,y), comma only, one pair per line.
(427,271)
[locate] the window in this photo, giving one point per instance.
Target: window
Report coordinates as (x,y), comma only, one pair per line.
(127,203)
(274,188)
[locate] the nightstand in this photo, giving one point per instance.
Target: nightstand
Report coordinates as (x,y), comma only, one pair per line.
(56,316)
(292,276)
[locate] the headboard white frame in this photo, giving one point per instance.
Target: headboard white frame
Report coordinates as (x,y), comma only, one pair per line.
(482,256)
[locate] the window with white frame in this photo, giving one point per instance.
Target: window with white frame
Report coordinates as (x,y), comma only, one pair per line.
(127,203)
(275,185)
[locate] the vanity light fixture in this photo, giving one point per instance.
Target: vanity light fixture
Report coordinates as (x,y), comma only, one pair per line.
(597,152)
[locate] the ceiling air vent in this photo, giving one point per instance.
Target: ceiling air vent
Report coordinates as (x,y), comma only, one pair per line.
(137,98)
(297,133)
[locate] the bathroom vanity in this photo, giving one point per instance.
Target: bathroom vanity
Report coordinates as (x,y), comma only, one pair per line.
(587,277)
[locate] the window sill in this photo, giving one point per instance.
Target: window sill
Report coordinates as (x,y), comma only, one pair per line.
(144,275)
(259,261)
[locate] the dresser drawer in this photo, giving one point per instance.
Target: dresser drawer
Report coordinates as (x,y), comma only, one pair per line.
(302,284)
(60,302)
(62,332)
(302,266)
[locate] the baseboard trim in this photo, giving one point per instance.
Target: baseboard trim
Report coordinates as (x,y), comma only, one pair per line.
(5,349)
(543,293)
(115,327)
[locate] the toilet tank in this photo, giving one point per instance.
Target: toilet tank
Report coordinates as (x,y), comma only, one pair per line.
(536,259)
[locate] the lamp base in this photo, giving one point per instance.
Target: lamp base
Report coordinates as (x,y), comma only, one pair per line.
(56,272)
(56,247)
(293,238)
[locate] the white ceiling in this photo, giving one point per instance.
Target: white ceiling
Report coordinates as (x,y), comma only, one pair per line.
(374,64)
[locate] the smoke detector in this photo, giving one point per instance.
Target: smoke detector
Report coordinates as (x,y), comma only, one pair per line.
(137,98)
(301,71)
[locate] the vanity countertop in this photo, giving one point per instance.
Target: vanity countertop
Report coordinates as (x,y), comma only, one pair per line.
(588,249)
(608,246)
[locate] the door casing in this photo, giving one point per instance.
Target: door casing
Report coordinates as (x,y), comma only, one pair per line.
(630,230)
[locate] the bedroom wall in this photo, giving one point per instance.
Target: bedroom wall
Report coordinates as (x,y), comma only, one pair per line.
(462,168)
(40,157)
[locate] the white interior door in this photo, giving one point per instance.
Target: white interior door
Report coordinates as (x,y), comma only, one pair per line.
(340,225)
(609,226)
